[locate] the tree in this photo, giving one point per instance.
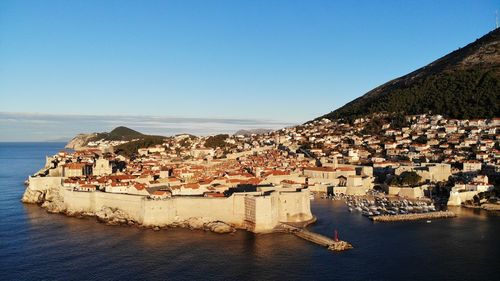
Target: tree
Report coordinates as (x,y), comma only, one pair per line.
(410,178)
(216,141)
(406,179)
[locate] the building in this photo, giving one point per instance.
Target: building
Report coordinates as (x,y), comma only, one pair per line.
(102,167)
(471,166)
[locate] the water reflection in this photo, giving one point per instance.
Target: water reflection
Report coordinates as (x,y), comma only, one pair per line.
(77,245)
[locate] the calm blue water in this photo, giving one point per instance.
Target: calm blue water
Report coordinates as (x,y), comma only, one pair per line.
(35,245)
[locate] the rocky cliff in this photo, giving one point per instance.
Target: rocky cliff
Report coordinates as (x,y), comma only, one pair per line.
(80,141)
(49,197)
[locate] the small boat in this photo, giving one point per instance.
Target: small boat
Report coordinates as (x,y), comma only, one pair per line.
(428,221)
(350,209)
(367,214)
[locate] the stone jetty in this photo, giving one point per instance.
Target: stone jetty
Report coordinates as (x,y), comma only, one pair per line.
(331,244)
(412,217)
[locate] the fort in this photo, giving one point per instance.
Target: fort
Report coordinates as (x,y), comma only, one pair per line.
(259,211)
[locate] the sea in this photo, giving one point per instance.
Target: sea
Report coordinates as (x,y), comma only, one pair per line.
(36,245)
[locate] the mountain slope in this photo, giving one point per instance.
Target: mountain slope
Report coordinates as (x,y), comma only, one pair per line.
(118,134)
(462,84)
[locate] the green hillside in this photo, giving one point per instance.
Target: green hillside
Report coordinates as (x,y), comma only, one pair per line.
(119,133)
(462,84)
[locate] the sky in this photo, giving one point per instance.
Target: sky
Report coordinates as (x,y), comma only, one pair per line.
(208,66)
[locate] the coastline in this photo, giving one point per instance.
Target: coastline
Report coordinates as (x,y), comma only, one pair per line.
(487,207)
(220,215)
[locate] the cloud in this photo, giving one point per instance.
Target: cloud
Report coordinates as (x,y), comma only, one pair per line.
(39,127)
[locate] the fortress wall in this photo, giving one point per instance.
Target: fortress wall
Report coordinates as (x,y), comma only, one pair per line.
(93,201)
(294,206)
(266,213)
(158,212)
(440,172)
(409,192)
(239,207)
(214,208)
(162,212)
(269,210)
(79,201)
(131,204)
(457,198)
(44,183)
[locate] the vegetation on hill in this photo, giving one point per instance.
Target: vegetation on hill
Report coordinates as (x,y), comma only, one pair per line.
(124,131)
(216,141)
(119,133)
(464,84)
(129,149)
(406,179)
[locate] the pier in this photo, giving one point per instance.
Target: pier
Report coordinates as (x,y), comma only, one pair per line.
(331,244)
(412,217)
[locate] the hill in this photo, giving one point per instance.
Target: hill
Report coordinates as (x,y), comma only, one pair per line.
(463,84)
(135,140)
(119,133)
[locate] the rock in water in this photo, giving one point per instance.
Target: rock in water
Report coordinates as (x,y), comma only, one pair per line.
(220,227)
(54,202)
(112,216)
(33,196)
(195,223)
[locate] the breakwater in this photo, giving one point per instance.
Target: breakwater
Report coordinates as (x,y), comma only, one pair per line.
(331,244)
(412,217)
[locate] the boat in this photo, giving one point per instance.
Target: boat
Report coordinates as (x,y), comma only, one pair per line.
(367,214)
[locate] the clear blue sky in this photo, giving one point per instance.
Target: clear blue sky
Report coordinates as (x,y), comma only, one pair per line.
(286,61)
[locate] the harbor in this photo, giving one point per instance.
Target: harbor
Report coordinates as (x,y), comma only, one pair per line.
(382,205)
(382,208)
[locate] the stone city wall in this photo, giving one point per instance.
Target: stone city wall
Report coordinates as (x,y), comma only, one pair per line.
(269,210)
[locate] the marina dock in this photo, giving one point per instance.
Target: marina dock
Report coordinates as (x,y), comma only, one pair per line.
(412,217)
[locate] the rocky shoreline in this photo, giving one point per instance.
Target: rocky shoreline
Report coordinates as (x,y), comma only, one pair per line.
(412,217)
(490,207)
